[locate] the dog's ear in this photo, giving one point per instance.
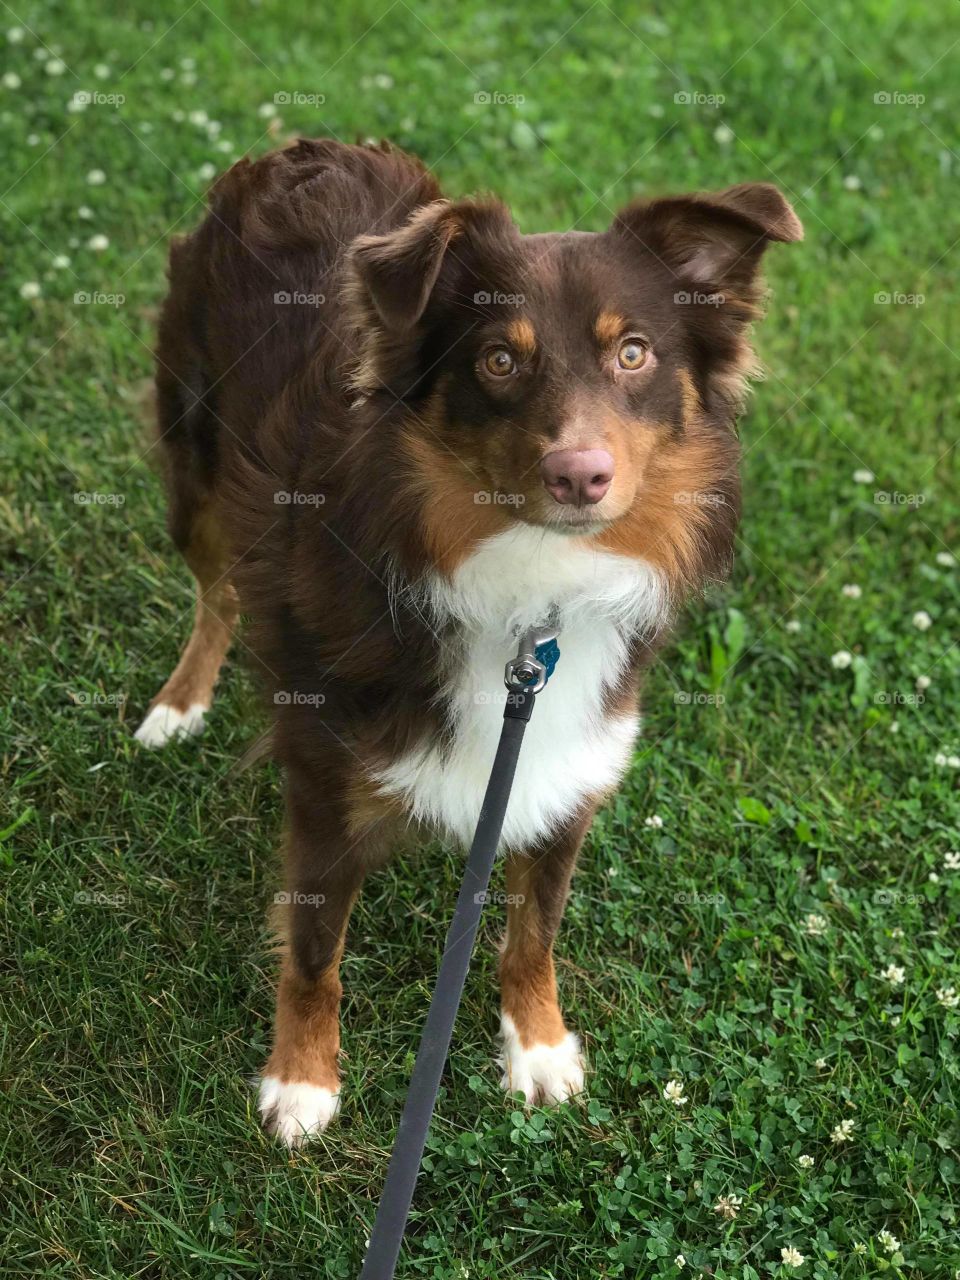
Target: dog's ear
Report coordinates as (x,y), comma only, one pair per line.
(712,241)
(397,272)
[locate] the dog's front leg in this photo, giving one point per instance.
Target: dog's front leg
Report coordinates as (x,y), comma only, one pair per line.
(300,1089)
(541,1058)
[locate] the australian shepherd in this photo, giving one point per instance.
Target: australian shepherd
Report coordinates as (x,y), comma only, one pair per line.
(396,434)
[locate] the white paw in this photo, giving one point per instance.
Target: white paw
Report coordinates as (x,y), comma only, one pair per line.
(292,1112)
(543,1073)
(163,723)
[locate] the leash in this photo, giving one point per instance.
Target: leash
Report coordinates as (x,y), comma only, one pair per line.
(525,676)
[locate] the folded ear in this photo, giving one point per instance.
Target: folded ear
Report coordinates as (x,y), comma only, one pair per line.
(397,272)
(714,240)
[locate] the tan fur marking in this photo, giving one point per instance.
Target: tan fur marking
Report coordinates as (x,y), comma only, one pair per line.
(452,520)
(527,977)
(609,327)
(306,1041)
(667,522)
(521,335)
(216,613)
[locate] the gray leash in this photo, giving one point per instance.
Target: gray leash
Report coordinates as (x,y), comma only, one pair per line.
(525,677)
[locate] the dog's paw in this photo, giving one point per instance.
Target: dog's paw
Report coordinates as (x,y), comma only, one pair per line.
(163,722)
(543,1073)
(294,1112)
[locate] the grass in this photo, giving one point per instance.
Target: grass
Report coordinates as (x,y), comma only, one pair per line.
(137,995)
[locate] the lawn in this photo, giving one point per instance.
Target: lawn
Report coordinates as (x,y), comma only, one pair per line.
(768,912)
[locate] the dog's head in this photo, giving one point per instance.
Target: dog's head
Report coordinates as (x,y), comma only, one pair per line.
(580,382)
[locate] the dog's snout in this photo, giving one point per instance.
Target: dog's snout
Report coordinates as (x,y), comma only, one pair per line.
(577,476)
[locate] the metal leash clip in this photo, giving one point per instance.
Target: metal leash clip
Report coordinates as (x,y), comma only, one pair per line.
(537,654)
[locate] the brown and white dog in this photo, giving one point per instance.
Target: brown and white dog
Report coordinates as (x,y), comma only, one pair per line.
(397,432)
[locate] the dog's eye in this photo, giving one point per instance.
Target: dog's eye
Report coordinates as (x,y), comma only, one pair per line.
(632,354)
(499,362)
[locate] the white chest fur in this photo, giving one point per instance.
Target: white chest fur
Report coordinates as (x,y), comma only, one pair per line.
(572,748)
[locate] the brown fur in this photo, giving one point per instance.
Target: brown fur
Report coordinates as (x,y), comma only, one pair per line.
(328,420)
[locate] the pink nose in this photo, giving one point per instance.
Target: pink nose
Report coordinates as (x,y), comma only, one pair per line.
(577,476)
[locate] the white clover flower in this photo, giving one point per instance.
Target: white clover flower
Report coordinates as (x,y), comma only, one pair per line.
(15,35)
(674,1093)
(805,1162)
(680,1261)
(896,933)
(852,590)
(267,110)
(207,171)
(61,262)
(85,212)
(922,620)
(30,289)
(98,243)
(167,73)
(933,878)
(793,625)
(841,659)
(860,1247)
(852,183)
(888,1240)
(951,860)
(843,1132)
(41,54)
(863,476)
(946,559)
(188,64)
(224,145)
(948,997)
(11,80)
(653,821)
(894,974)
(188,77)
(198,117)
(55,67)
(821,1064)
(815,925)
(791,1257)
(101,71)
(213,128)
(96,177)
(922,682)
(728,1206)
(723,134)
(894,726)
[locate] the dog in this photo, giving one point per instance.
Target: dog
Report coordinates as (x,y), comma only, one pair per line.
(396,432)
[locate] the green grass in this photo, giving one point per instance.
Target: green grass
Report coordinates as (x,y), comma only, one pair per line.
(137,993)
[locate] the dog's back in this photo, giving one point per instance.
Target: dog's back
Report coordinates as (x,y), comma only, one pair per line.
(255,292)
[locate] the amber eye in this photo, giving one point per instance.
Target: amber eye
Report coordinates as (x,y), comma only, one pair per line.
(499,362)
(632,354)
